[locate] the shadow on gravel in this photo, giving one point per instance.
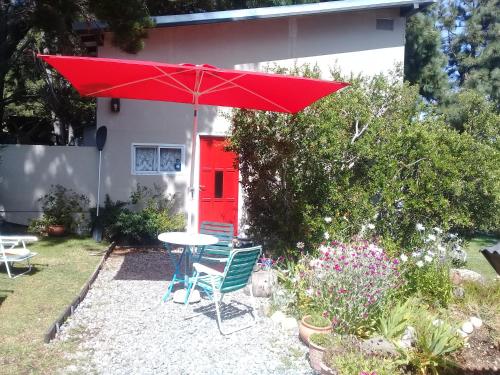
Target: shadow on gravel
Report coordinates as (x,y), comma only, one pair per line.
(150,264)
(229,311)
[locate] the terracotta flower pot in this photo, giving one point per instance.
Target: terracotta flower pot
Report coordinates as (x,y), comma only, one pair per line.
(316,353)
(306,329)
(56,230)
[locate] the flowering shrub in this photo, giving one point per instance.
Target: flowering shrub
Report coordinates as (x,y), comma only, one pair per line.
(427,268)
(349,283)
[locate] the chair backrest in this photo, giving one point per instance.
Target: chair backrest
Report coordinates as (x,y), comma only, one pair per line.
(223,232)
(239,268)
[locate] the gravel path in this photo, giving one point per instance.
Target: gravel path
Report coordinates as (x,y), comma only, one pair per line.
(122,327)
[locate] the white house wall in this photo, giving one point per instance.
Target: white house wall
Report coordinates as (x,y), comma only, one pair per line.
(348,40)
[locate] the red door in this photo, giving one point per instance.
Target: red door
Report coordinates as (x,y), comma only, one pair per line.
(218,183)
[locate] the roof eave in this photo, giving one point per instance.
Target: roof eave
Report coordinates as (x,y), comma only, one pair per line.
(407,8)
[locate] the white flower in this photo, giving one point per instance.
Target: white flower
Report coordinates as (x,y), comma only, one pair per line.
(430,253)
(328,219)
(300,245)
(404,258)
(309,292)
(324,249)
(431,237)
(375,248)
(441,249)
(416,254)
(419,264)
(428,258)
(371,226)
(375,217)
(314,263)
(327,236)
(438,230)
(420,227)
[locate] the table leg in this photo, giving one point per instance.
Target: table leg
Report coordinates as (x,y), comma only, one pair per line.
(176,277)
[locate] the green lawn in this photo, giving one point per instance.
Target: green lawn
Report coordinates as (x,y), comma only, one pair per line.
(475,260)
(29,304)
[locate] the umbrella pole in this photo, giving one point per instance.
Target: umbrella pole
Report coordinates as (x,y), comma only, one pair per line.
(193,158)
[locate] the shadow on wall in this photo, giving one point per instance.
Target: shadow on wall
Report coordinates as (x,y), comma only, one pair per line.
(28,171)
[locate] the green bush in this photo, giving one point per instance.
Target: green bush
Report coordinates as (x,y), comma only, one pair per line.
(143,226)
(108,216)
(60,206)
(355,363)
(364,155)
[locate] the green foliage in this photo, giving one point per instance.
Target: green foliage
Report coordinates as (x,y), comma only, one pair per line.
(435,341)
(393,324)
(108,216)
(317,320)
(364,154)
(482,300)
(155,214)
(322,340)
(60,206)
(471,32)
(355,363)
(424,59)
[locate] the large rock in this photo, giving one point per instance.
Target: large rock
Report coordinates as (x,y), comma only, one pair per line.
(289,324)
(378,347)
(278,317)
(459,275)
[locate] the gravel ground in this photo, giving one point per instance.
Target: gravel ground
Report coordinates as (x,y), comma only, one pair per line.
(122,327)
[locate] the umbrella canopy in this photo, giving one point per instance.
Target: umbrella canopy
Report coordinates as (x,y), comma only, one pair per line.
(188,83)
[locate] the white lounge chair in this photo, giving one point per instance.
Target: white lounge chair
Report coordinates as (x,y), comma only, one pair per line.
(13,249)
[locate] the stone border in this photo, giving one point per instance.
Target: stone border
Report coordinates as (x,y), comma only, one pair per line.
(70,309)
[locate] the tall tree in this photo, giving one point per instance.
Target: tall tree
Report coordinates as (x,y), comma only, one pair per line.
(425,61)
(471,30)
(31,99)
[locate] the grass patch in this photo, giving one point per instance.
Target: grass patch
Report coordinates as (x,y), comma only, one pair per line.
(29,304)
(475,260)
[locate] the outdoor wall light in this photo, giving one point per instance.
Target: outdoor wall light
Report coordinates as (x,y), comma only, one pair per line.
(115,105)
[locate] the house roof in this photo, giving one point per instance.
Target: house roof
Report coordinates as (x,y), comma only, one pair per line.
(407,8)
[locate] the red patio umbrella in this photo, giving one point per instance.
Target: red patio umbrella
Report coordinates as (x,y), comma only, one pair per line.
(193,84)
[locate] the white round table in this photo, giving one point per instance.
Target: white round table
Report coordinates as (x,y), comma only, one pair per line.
(190,242)
(188,239)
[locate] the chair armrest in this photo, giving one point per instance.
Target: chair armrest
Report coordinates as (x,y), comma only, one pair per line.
(207,270)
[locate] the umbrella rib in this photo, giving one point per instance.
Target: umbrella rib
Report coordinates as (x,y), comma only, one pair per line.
(214,88)
(254,93)
(122,85)
(176,80)
(172,85)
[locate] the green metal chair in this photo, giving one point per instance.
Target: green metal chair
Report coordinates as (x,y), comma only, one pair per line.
(235,276)
(221,250)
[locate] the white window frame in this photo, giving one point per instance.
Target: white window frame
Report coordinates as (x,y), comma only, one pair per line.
(158,146)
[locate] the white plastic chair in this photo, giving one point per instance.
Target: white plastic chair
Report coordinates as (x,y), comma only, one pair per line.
(13,249)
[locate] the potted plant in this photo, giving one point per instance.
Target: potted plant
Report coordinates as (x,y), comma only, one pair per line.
(59,206)
(313,323)
(318,343)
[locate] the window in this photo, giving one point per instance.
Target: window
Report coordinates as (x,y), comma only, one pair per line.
(157,159)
